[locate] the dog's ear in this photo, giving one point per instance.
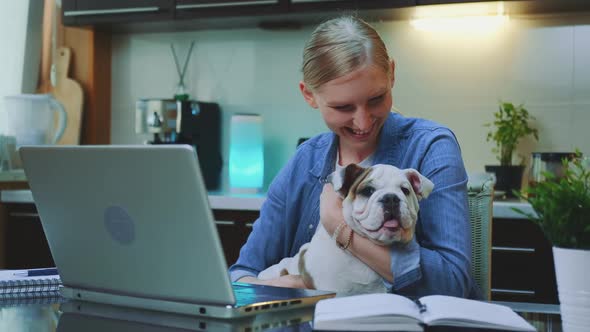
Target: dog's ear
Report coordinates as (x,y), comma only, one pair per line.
(342,180)
(421,185)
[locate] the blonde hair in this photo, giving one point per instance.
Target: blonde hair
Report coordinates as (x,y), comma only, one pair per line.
(340,46)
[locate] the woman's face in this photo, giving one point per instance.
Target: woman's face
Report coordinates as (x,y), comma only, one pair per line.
(354,106)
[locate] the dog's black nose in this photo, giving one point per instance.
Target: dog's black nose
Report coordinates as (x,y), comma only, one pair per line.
(390,200)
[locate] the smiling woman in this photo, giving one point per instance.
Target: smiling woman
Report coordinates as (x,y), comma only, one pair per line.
(348,76)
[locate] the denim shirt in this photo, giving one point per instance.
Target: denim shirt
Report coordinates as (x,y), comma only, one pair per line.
(437,261)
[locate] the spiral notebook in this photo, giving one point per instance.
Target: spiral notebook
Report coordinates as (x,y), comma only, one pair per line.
(20,282)
(36,298)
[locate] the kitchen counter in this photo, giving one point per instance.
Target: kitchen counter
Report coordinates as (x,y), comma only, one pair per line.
(503,209)
(218,200)
(227,201)
(12,180)
(13,176)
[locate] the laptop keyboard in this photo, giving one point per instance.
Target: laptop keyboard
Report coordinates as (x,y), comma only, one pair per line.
(249,294)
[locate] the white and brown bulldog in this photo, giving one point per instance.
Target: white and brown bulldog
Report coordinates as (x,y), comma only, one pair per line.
(381,204)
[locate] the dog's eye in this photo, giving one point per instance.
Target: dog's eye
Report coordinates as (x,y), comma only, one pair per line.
(406,191)
(366,191)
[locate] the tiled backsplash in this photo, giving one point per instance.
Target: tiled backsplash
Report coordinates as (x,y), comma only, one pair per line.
(455,79)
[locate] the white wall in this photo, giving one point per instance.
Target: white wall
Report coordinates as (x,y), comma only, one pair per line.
(451,78)
(20,37)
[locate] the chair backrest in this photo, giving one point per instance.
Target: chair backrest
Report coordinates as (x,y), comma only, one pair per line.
(480,190)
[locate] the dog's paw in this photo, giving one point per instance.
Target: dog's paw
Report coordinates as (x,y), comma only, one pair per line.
(307,278)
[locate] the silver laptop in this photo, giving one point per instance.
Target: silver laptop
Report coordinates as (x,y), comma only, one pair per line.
(87,316)
(132,226)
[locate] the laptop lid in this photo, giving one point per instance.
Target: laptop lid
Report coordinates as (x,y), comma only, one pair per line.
(129,220)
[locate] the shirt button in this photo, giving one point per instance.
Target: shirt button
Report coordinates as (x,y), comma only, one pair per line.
(310,226)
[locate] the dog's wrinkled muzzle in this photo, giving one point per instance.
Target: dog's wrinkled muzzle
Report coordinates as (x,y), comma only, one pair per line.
(391,217)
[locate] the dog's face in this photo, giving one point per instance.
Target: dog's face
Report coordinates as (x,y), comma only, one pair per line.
(381,202)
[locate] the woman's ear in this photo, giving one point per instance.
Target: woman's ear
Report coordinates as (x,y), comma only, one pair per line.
(392,64)
(307,95)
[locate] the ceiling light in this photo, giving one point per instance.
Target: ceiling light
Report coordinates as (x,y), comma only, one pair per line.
(465,18)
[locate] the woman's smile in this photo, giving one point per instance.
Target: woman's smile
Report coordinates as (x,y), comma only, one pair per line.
(361,134)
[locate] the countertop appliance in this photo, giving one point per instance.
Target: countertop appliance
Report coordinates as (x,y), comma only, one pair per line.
(185,122)
(551,162)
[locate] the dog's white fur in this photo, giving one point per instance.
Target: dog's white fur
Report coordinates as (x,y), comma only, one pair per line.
(381,204)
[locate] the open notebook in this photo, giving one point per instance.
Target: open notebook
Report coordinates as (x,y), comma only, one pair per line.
(132,226)
(391,312)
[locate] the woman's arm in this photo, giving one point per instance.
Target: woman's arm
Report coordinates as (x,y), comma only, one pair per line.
(263,247)
(375,256)
(443,230)
(290,281)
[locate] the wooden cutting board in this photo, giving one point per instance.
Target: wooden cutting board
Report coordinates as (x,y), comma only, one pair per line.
(69,93)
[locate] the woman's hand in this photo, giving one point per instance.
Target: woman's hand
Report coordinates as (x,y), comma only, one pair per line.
(289,281)
(330,209)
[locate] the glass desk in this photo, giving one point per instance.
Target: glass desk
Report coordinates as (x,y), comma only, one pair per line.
(75,316)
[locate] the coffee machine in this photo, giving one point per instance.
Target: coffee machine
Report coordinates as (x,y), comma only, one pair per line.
(185,122)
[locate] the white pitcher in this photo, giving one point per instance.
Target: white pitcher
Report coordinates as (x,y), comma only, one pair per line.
(32,119)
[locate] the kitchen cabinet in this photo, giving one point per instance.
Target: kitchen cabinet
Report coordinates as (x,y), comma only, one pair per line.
(234,227)
(313,5)
(24,244)
(438,2)
(344,5)
(193,9)
(175,15)
(522,262)
(91,12)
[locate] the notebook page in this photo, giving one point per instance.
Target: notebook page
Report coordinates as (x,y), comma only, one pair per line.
(454,311)
(370,307)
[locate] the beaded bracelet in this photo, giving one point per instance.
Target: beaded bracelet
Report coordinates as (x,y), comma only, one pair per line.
(348,241)
(337,231)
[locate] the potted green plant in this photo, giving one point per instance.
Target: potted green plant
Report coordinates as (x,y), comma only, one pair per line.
(562,210)
(511,124)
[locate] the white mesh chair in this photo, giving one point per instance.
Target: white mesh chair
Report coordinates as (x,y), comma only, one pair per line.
(480,189)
